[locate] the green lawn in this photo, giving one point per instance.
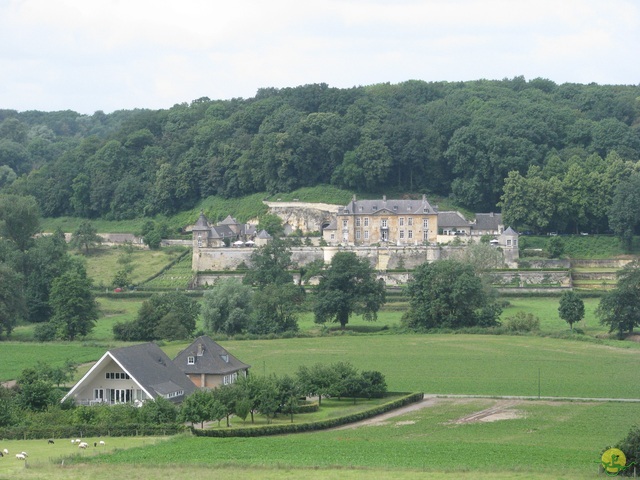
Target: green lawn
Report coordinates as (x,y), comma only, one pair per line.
(15,357)
(561,440)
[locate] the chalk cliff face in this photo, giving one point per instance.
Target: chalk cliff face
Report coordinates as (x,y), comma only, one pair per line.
(308,217)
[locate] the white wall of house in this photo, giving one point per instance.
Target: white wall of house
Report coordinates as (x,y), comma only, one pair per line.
(108,383)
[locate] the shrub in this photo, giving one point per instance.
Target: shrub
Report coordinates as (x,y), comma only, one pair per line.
(44,332)
(631,446)
(522,322)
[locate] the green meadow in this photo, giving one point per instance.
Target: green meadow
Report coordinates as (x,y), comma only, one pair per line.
(537,440)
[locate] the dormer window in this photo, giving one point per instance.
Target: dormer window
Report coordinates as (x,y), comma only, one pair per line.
(191,360)
(225,358)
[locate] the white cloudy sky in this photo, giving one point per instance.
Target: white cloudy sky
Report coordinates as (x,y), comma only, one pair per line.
(89,55)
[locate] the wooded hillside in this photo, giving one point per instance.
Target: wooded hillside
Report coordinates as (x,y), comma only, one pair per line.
(447,139)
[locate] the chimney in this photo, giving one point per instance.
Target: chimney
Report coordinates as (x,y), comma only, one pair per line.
(424,197)
(353,198)
(200,350)
(384,198)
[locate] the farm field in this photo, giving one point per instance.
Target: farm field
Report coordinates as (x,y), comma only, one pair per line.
(528,439)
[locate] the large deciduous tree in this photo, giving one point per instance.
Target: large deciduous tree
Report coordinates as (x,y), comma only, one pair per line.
(85,236)
(75,310)
(19,219)
(619,309)
(277,300)
(449,294)
(571,308)
(348,286)
(624,212)
(227,307)
(12,301)
(167,316)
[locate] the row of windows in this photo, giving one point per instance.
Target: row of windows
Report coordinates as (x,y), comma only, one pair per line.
(409,233)
(384,222)
(174,394)
(116,376)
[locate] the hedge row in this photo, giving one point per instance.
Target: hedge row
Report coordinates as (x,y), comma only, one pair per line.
(81,431)
(310,426)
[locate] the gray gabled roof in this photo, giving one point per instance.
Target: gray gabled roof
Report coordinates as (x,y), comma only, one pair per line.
(152,369)
(210,358)
(396,207)
(451,219)
(149,367)
(510,231)
(229,221)
(488,221)
(222,231)
(264,235)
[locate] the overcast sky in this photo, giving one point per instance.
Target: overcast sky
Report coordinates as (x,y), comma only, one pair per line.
(88,55)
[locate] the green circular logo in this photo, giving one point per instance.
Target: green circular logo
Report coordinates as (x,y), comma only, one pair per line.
(613,461)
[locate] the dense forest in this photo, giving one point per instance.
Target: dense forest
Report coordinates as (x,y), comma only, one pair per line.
(567,143)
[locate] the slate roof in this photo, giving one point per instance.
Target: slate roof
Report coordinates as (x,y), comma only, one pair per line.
(149,367)
(332,226)
(229,221)
(397,207)
(210,358)
(222,231)
(152,368)
(202,223)
(488,221)
(264,235)
(510,231)
(451,219)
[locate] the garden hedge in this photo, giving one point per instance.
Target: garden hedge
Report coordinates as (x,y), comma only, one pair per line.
(287,428)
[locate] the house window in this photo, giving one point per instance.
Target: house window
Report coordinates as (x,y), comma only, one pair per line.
(401,221)
(425,235)
(199,240)
(410,221)
(225,358)
(410,234)
(401,234)
(425,223)
(333,236)
(385,235)
(383,223)
(191,360)
(366,221)
(509,243)
(357,234)
(357,221)
(344,223)
(366,234)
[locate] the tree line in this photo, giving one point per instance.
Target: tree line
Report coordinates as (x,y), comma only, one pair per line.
(453,139)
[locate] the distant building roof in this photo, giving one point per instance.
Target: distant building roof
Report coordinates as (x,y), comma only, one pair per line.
(208,358)
(451,219)
(229,221)
(202,223)
(264,235)
(149,367)
(488,221)
(332,226)
(397,207)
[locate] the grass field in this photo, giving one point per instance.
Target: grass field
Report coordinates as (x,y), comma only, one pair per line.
(539,440)
(102,263)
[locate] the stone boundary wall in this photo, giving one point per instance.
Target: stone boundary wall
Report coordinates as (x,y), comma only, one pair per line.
(380,258)
(615,263)
(527,279)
